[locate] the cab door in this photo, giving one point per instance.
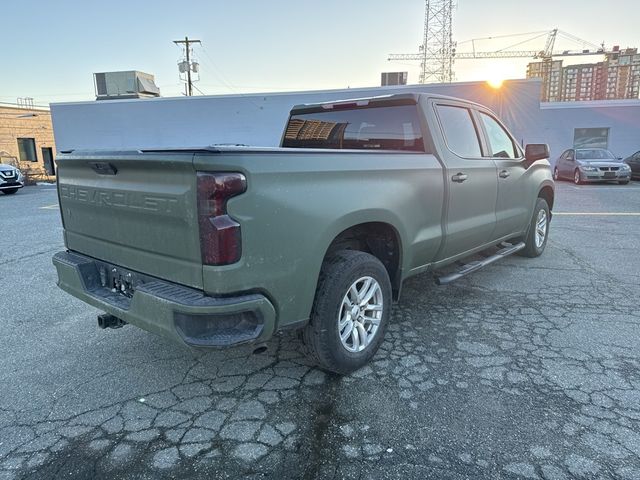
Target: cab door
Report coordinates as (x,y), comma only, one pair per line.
(512,205)
(471,184)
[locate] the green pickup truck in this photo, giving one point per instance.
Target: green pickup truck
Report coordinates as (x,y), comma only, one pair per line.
(227,245)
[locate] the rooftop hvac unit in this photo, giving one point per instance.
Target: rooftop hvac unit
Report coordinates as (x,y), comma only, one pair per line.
(393,78)
(128,84)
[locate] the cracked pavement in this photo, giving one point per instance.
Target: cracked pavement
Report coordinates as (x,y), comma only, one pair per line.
(529,368)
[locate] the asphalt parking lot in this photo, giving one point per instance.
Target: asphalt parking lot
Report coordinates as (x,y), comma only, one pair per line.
(526,369)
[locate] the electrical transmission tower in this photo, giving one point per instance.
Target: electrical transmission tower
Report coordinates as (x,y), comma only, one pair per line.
(438,48)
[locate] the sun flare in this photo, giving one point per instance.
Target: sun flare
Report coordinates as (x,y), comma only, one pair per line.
(495,82)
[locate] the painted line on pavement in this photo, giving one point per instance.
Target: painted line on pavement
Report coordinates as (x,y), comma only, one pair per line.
(50,207)
(599,214)
(619,188)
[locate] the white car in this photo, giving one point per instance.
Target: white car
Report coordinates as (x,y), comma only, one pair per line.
(11,179)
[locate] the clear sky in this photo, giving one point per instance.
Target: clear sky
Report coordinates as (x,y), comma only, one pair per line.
(51,48)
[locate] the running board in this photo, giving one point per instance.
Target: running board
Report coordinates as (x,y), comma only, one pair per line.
(478,264)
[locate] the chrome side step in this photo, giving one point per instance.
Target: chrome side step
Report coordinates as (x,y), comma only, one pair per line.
(466,269)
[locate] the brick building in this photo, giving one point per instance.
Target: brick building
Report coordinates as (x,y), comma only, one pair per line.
(579,82)
(26,140)
(551,75)
(617,77)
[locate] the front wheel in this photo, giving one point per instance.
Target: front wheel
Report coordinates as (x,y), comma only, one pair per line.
(623,182)
(10,191)
(350,312)
(538,232)
(577,178)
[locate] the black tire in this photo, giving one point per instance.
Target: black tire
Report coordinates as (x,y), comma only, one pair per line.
(623,182)
(322,336)
(531,249)
(10,191)
(577,177)
(556,174)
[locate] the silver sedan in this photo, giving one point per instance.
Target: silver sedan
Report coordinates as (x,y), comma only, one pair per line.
(584,165)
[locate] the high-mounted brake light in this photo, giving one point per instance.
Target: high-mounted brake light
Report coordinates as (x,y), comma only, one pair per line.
(345,105)
(220,239)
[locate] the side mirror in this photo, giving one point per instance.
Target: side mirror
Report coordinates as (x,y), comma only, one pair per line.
(536,151)
(619,158)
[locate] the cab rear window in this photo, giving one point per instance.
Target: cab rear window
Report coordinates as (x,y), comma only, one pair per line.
(371,128)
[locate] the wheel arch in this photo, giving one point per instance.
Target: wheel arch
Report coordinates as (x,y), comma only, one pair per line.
(380,239)
(548,194)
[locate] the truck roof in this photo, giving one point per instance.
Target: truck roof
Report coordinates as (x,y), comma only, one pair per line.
(410,98)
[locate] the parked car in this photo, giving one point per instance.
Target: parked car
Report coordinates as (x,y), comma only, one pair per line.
(634,164)
(226,245)
(585,165)
(11,179)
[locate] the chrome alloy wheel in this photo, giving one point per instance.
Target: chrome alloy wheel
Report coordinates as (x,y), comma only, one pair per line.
(360,314)
(541,228)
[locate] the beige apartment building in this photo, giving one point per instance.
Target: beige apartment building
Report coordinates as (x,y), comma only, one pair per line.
(26,141)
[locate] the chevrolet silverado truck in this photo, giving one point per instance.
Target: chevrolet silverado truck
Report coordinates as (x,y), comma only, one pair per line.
(227,245)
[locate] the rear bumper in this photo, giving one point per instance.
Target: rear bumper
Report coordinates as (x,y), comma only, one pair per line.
(170,310)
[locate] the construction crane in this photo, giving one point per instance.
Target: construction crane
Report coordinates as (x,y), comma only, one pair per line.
(438,50)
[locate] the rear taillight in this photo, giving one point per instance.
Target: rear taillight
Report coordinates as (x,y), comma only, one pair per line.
(220,240)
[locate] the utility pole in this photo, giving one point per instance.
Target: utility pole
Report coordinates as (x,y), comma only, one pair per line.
(188,66)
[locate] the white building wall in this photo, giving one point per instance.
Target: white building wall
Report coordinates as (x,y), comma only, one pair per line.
(256,119)
(622,117)
(259,119)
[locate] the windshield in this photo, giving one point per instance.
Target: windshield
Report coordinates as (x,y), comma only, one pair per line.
(594,154)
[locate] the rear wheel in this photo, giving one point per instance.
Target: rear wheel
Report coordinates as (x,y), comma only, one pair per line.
(538,232)
(556,174)
(10,191)
(577,178)
(623,182)
(350,311)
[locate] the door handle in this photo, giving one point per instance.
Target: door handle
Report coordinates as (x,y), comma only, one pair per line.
(504,174)
(459,177)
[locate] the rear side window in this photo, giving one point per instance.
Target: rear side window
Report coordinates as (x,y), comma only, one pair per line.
(459,130)
(373,128)
(499,140)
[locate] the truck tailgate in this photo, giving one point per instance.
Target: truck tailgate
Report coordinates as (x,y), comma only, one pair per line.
(133,209)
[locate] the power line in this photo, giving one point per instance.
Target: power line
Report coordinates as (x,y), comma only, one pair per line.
(218,72)
(201,92)
(220,75)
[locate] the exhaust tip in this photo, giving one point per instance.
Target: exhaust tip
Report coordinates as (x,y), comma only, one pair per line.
(107,320)
(260,349)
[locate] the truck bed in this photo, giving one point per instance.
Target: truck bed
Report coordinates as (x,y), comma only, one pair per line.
(139,209)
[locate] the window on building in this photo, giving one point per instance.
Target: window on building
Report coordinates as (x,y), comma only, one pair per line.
(591,138)
(27,150)
(459,131)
